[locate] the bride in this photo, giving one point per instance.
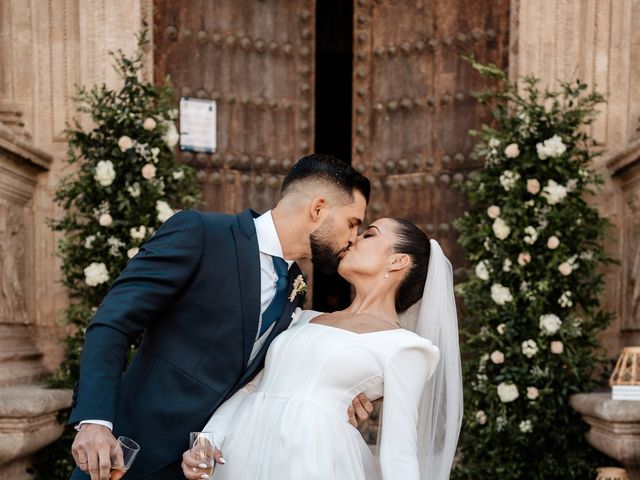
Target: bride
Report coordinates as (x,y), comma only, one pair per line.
(290,422)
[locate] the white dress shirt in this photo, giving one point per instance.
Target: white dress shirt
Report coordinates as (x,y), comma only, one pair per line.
(269,247)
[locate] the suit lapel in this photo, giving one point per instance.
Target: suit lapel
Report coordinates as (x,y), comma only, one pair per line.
(281,325)
(248,259)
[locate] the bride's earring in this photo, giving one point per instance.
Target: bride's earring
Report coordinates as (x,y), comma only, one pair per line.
(386,275)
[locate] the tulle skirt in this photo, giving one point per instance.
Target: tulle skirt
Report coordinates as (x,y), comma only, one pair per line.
(280,438)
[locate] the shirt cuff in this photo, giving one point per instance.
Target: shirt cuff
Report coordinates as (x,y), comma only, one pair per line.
(104,423)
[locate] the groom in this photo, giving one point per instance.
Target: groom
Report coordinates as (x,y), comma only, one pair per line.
(208,293)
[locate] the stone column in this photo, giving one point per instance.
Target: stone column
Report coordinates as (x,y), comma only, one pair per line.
(27,411)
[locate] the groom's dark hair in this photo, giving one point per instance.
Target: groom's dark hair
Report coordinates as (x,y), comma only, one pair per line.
(328,169)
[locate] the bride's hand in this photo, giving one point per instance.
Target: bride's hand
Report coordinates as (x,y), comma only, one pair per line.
(193,468)
(359,410)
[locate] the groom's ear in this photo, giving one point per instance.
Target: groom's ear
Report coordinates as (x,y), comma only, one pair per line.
(317,208)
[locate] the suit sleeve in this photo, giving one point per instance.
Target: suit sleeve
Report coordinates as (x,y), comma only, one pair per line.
(149,283)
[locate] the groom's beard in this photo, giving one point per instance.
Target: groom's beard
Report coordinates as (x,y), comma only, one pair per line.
(324,254)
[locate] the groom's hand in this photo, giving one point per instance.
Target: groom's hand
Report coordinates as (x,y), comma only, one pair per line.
(359,410)
(91,450)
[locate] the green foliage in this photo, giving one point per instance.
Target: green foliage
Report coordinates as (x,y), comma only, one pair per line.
(125,183)
(535,245)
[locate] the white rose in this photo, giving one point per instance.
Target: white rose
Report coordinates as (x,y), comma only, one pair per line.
(493,211)
(512,150)
(164,210)
(171,137)
(88,242)
(553,242)
(481,417)
(533,186)
(532,393)
(557,347)
(506,265)
(552,147)
(494,142)
(508,179)
(524,258)
(125,143)
(178,175)
(565,268)
(138,233)
(525,426)
(500,228)
(554,192)
(550,323)
(531,235)
(529,348)
(500,294)
(501,328)
(149,123)
(482,270)
(565,299)
(105,173)
(134,190)
(132,252)
(507,392)
(149,171)
(105,220)
(95,274)
(497,357)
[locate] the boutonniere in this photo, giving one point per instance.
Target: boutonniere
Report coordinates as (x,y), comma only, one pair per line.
(299,288)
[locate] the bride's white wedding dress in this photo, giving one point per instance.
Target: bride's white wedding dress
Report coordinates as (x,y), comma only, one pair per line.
(290,422)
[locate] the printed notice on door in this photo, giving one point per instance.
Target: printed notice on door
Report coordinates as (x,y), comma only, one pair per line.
(197,125)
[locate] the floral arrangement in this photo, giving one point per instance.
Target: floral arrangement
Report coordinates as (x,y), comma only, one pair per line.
(126,183)
(531,303)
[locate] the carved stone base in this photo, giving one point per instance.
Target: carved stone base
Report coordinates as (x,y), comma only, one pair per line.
(28,422)
(615,427)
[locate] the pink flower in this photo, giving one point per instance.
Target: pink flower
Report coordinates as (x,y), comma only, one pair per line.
(533,186)
(149,123)
(553,242)
(149,171)
(524,258)
(497,357)
(557,347)
(512,150)
(565,269)
(125,143)
(493,211)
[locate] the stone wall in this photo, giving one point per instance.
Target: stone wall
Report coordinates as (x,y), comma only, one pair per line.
(598,42)
(46,48)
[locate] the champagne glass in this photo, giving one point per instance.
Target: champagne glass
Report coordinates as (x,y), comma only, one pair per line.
(123,453)
(202,446)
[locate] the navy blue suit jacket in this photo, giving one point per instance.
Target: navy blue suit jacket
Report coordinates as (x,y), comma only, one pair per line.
(193,291)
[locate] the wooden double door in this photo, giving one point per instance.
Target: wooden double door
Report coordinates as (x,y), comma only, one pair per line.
(408,102)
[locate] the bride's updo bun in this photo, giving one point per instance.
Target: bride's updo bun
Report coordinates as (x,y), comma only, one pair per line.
(415,243)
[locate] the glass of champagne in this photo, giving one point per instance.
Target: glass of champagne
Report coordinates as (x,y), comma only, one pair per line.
(123,453)
(203,446)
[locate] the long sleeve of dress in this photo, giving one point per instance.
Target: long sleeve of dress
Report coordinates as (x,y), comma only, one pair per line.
(405,374)
(221,419)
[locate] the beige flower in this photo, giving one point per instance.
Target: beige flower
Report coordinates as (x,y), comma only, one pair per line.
(553,242)
(524,258)
(497,357)
(493,211)
(512,150)
(149,123)
(149,171)
(299,287)
(125,143)
(565,268)
(532,393)
(557,347)
(105,220)
(533,186)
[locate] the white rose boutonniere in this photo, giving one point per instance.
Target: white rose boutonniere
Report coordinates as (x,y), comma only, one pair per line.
(299,287)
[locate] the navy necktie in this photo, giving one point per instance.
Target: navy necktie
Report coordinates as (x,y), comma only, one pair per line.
(276,307)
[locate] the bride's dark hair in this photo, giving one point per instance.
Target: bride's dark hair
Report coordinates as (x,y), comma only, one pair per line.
(415,243)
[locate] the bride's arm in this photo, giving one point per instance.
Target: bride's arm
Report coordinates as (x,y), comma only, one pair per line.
(220,420)
(405,375)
